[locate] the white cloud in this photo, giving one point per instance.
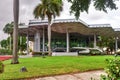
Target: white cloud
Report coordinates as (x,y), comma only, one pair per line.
(100,17)
(26,10)
(26,14)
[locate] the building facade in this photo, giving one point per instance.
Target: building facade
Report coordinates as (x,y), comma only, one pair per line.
(65,33)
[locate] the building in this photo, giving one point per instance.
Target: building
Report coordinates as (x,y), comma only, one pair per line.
(65,33)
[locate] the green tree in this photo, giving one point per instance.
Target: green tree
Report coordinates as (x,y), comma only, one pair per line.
(15,31)
(107,42)
(49,9)
(9,30)
(4,43)
(22,43)
(79,6)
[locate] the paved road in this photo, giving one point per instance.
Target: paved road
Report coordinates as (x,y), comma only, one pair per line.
(78,76)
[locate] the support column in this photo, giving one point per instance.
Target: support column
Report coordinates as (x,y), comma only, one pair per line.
(67,39)
(95,41)
(43,40)
(37,42)
(116,43)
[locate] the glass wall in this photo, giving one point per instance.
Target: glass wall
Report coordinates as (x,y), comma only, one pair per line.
(76,40)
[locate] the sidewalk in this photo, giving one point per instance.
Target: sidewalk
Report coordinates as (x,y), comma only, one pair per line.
(78,76)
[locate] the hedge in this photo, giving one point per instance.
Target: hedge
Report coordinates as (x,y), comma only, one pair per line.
(5,52)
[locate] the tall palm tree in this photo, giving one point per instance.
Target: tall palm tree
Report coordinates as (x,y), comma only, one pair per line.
(15,31)
(49,9)
(9,30)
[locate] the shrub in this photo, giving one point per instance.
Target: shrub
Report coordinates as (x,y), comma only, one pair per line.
(1,67)
(5,52)
(112,70)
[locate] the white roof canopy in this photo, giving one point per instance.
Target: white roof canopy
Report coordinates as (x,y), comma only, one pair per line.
(73,25)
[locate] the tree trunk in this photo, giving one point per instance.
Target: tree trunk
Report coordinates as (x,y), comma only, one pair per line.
(49,38)
(15,31)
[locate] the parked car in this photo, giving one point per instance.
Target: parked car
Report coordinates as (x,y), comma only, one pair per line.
(95,51)
(80,50)
(59,49)
(84,50)
(118,52)
(74,50)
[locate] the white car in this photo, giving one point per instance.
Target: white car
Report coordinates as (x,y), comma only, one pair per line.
(95,51)
(84,50)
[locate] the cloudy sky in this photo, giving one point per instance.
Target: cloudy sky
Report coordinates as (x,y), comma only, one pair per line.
(26,14)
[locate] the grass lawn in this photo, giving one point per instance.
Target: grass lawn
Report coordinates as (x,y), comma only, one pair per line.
(38,66)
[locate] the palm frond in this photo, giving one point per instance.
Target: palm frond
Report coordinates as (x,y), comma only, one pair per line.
(48,8)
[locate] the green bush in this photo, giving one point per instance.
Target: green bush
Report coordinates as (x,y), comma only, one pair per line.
(112,70)
(5,52)
(1,67)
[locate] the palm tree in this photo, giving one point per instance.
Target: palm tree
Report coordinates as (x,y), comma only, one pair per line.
(49,9)
(9,30)
(15,31)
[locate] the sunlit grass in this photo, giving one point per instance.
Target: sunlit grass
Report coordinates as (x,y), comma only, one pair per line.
(38,66)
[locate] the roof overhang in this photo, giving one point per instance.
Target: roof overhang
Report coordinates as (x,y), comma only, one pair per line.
(72,25)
